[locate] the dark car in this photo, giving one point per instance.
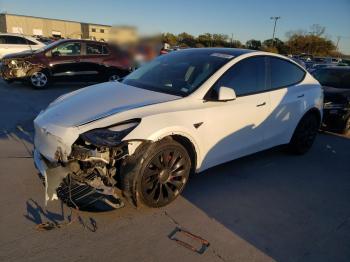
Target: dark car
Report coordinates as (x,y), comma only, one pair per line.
(82,60)
(336,86)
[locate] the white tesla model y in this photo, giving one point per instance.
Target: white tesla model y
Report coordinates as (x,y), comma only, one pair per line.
(181,113)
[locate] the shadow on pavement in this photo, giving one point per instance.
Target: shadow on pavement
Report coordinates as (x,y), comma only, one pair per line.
(287,206)
(41,216)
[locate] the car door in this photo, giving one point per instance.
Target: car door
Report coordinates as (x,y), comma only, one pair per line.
(287,98)
(92,60)
(64,60)
(235,128)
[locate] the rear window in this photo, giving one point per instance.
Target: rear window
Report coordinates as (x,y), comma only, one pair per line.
(16,40)
(333,77)
(284,73)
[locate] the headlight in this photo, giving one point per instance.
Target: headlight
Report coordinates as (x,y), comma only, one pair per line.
(110,136)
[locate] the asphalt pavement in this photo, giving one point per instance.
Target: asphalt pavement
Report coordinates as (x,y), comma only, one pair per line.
(270,206)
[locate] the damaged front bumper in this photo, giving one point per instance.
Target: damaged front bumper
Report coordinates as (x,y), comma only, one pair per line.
(17,69)
(53,175)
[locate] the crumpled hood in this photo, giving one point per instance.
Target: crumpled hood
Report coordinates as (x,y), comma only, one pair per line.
(23,54)
(98,101)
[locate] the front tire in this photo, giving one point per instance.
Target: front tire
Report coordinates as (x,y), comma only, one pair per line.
(161,174)
(304,134)
(39,79)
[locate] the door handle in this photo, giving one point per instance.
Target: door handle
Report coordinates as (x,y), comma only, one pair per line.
(300,96)
(262,104)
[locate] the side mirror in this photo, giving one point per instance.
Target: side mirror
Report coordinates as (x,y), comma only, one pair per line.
(226,94)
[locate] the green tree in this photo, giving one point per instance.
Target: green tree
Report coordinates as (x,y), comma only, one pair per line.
(186,39)
(169,38)
(205,39)
(253,44)
(276,43)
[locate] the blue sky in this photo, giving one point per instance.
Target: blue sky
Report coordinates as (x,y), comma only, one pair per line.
(245,19)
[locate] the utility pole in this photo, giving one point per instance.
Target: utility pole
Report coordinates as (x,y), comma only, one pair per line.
(338,39)
(274,27)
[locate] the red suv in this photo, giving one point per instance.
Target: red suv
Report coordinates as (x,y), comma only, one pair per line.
(69,59)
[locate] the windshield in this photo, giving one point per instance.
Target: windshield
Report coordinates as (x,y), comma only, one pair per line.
(178,73)
(47,47)
(333,77)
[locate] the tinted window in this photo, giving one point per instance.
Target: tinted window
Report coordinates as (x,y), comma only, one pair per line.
(245,77)
(284,73)
(94,49)
(332,77)
(67,49)
(2,40)
(16,40)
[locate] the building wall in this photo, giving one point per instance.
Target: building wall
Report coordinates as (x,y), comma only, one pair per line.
(98,32)
(28,25)
(41,26)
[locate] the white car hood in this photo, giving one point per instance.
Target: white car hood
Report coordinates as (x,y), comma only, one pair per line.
(98,101)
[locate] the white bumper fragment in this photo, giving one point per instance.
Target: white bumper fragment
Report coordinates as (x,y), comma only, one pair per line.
(53,176)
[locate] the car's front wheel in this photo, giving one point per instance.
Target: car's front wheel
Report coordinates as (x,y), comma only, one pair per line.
(39,79)
(162,173)
(304,134)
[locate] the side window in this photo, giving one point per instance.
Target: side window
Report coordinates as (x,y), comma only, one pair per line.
(67,49)
(94,49)
(246,77)
(105,50)
(2,40)
(284,73)
(16,40)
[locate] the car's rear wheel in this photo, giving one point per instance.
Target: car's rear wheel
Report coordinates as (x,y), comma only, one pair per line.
(39,79)
(162,174)
(304,134)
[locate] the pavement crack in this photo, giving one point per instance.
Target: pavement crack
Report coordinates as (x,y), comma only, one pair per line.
(216,254)
(171,218)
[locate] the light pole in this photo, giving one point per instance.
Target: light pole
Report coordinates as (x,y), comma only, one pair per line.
(274,27)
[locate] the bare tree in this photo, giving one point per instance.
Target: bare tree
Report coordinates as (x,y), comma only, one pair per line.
(317,30)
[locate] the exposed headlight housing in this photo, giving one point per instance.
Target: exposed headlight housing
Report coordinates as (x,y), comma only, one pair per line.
(110,136)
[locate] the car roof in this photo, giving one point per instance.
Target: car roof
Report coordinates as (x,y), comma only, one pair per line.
(23,36)
(80,40)
(228,51)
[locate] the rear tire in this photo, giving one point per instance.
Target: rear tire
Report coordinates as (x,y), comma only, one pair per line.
(304,134)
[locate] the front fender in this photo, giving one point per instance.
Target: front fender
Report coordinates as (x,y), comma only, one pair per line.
(149,130)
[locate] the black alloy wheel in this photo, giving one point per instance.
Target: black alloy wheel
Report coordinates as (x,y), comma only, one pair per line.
(164,175)
(305,134)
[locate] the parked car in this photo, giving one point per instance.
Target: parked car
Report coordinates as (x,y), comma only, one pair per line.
(336,85)
(183,112)
(15,43)
(318,66)
(82,60)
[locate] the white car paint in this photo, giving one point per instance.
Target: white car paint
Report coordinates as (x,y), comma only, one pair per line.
(230,129)
(6,49)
